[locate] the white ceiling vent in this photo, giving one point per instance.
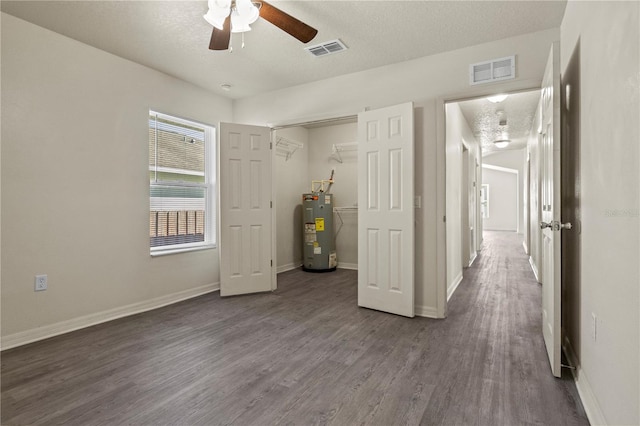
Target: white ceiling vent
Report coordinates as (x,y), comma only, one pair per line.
(494,70)
(326,48)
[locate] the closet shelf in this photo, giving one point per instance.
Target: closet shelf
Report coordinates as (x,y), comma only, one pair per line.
(339,210)
(345,209)
(342,147)
(287,147)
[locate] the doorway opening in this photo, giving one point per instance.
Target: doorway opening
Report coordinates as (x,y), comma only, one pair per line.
(313,151)
(375,156)
(487,162)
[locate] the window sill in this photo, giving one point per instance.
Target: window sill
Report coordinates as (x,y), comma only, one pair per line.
(165,252)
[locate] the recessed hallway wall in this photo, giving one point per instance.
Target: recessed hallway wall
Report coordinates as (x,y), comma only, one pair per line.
(502,208)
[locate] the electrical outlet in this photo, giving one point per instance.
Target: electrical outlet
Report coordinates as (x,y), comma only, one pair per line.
(594,326)
(41,283)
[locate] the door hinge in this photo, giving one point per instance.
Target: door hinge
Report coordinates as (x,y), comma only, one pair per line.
(270,204)
(272,263)
(270,145)
(444,218)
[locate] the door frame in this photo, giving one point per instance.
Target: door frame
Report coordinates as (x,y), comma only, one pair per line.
(526,204)
(284,124)
(274,127)
(465,243)
(441,183)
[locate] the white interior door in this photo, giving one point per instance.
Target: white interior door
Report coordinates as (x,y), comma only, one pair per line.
(385,210)
(245,209)
(551,225)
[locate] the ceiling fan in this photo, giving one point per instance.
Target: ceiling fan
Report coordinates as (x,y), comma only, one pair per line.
(235,16)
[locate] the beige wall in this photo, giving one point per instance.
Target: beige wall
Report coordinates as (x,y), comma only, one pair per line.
(503,195)
(457,134)
(512,159)
(291,179)
(345,189)
(608,37)
(75,153)
(426,81)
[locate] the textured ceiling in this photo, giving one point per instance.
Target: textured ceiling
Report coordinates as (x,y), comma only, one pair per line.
(483,117)
(172,36)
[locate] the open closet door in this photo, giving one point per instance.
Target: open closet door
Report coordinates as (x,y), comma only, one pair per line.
(385,210)
(245,209)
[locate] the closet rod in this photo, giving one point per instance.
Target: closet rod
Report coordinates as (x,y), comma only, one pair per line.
(323,121)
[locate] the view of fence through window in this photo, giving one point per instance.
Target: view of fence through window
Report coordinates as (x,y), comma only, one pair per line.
(178,185)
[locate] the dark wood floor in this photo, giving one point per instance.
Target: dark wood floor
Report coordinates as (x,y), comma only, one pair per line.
(305,354)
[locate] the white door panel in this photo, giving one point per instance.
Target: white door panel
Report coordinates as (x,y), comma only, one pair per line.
(245,209)
(550,235)
(386,214)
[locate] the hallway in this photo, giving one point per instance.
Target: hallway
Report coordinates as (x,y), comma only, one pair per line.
(306,354)
(502,366)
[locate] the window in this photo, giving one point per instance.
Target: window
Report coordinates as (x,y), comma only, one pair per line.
(484,200)
(181,185)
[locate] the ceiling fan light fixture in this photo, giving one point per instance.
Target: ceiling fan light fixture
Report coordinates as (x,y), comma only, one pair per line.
(239,23)
(247,10)
(502,143)
(215,21)
(242,13)
(218,12)
(497,98)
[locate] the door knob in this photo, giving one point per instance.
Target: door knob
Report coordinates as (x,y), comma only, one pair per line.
(555,225)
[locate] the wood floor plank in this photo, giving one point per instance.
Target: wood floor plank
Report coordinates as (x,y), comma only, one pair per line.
(305,354)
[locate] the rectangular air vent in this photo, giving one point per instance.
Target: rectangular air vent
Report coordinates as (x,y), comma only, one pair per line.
(326,48)
(494,70)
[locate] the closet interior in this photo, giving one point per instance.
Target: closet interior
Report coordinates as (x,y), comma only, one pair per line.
(320,151)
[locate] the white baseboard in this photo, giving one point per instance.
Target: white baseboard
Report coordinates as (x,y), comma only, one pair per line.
(534,268)
(47,331)
(474,255)
(288,267)
(456,282)
(426,311)
(352,266)
(589,401)
(292,266)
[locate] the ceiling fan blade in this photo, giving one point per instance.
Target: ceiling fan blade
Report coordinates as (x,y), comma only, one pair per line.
(220,38)
(287,23)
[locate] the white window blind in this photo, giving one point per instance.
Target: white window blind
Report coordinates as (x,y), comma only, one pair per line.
(181,184)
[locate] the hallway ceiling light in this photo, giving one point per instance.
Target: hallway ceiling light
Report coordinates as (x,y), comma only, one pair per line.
(502,143)
(497,98)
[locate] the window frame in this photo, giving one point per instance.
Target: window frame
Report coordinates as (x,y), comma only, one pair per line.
(209,186)
(484,200)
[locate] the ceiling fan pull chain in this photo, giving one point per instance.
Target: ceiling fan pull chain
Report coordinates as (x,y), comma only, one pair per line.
(231,43)
(243,39)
